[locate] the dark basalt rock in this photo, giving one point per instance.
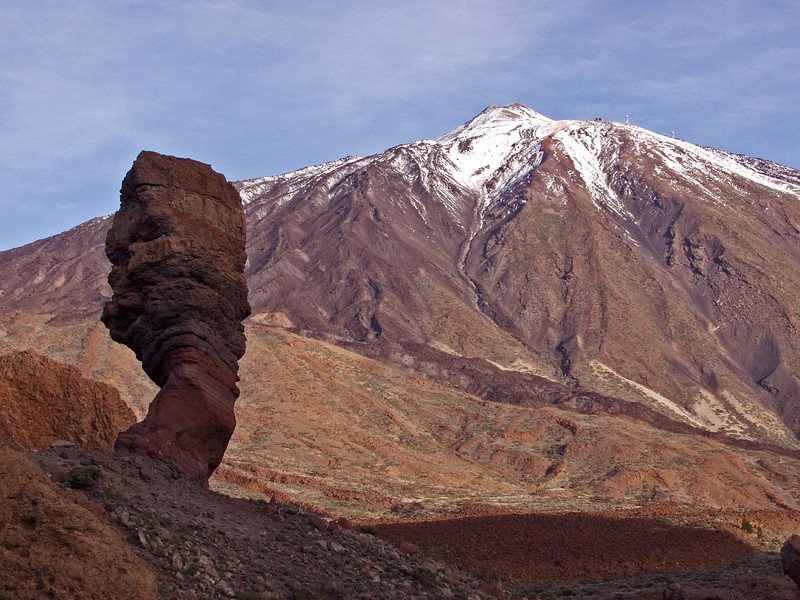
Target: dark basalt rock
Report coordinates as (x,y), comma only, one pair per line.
(790,558)
(177,250)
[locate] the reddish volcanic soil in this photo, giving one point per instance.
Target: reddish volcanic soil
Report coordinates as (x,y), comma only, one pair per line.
(568,547)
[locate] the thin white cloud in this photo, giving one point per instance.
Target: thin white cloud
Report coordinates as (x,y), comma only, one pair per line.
(257,87)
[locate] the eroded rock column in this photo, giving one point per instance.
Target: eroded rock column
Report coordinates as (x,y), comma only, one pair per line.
(178,256)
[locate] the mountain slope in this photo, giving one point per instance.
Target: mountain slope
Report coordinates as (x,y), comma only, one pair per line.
(596,254)
(355,437)
(640,288)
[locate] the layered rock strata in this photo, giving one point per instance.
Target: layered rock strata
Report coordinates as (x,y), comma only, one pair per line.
(177,250)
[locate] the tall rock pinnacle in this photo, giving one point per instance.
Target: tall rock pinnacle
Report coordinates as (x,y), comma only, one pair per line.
(177,250)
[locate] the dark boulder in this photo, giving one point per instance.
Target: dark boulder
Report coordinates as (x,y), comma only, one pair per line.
(790,558)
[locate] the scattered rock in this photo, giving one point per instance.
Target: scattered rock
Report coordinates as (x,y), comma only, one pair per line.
(146,473)
(177,562)
(493,589)
(451,576)
(765,587)
(123,517)
(63,444)
(673,591)
(407,548)
(225,589)
(177,250)
(318,522)
(49,542)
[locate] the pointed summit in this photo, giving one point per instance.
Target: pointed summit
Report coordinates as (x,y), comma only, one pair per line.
(480,146)
(497,120)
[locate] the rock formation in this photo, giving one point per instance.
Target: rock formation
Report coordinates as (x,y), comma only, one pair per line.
(44,401)
(177,250)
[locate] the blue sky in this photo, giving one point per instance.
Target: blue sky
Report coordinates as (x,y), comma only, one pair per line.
(263,87)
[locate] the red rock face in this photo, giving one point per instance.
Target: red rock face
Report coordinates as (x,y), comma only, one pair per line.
(177,250)
(44,401)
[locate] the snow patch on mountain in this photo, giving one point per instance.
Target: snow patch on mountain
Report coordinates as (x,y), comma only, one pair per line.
(584,144)
(250,189)
(475,151)
(696,164)
(474,168)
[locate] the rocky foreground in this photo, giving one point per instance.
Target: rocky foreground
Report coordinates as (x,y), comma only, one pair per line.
(145,530)
(197,543)
(92,523)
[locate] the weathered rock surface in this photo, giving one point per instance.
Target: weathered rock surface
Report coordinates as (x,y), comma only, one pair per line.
(177,250)
(51,547)
(790,558)
(44,401)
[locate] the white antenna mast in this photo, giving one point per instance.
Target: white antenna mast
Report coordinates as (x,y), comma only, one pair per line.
(627,120)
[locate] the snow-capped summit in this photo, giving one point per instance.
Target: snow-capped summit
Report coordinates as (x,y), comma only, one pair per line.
(496,120)
(478,148)
(492,153)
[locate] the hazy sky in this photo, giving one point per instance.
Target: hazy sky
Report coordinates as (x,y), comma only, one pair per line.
(263,87)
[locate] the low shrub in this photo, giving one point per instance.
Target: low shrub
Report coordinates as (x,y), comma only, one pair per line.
(425,577)
(748,526)
(84,478)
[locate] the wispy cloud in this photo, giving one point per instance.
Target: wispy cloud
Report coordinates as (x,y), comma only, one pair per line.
(259,87)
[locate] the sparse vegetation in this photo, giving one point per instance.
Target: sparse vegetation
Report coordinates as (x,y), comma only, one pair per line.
(84,477)
(748,526)
(369,529)
(425,577)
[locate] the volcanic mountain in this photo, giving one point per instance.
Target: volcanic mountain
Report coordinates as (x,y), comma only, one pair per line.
(522,309)
(594,254)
